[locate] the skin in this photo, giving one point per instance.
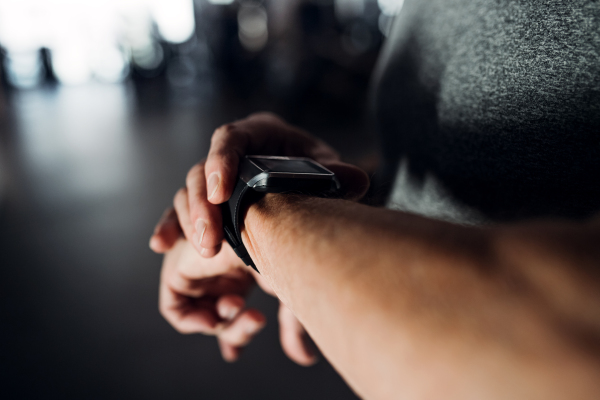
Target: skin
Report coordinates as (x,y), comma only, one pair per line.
(398,302)
(194,223)
(206,295)
(402,306)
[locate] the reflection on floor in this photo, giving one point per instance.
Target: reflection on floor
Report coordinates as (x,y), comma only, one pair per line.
(85,172)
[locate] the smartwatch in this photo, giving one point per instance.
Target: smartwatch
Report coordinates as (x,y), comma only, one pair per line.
(258,175)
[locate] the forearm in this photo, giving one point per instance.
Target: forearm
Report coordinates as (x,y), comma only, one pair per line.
(398,302)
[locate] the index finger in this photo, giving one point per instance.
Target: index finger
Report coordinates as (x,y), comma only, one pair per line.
(227,146)
(205,216)
(166,233)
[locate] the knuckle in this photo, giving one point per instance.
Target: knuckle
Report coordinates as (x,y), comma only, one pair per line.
(225,159)
(197,171)
(184,330)
(178,284)
(179,195)
(224,132)
(164,312)
(182,284)
(230,134)
(244,338)
(264,115)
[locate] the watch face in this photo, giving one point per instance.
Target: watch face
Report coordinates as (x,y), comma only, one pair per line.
(273,174)
(285,165)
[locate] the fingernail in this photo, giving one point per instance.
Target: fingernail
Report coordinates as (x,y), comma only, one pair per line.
(214,181)
(200,229)
(254,328)
(232,313)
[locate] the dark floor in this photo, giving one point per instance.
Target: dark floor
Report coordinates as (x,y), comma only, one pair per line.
(84,174)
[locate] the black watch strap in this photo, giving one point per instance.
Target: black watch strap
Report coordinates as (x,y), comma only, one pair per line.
(231,211)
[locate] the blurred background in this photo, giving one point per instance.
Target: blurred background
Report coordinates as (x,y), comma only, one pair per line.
(104,106)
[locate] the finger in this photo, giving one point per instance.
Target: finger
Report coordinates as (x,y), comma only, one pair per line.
(184,314)
(354,182)
(166,232)
(228,145)
(186,273)
(294,339)
(229,306)
(230,353)
(182,209)
(190,265)
(189,304)
(205,216)
(210,253)
(243,328)
(320,151)
(214,286)
(284,139)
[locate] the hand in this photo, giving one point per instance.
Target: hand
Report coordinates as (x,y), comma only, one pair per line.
(199,295)
(212,183)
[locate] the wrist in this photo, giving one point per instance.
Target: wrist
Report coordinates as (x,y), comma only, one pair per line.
(258,175)
(264,219)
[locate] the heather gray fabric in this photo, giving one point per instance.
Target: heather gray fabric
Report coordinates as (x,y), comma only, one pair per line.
(489,110)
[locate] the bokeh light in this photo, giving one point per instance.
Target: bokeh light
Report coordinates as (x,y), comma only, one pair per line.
(89,39)
(252,22)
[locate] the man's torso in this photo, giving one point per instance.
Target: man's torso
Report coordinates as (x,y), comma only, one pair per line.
(491,109)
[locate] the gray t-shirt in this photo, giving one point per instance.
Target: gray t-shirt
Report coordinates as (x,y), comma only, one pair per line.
(489,110)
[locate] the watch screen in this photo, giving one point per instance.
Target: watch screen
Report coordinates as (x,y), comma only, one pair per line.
(289,166)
